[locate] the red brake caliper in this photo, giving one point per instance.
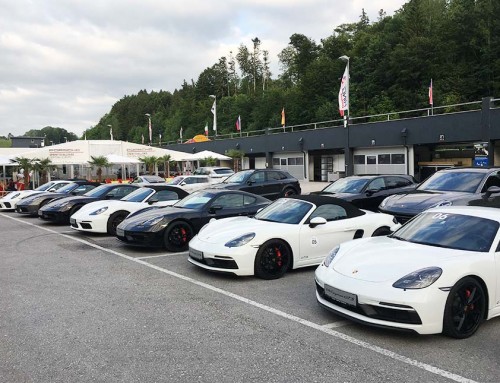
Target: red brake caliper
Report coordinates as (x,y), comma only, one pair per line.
(279,261)
(469,306)
(183,234)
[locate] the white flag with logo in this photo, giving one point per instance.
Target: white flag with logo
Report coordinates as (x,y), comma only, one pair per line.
(344,92)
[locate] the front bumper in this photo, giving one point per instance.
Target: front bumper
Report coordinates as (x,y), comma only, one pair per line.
(54,215)
(7,205)
(380,304)
(218,258)
(27,209)
(140,238)
(98,224)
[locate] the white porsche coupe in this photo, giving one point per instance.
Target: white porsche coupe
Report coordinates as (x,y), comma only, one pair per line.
(438,273)
(291,232)
(10,200)
(105,216)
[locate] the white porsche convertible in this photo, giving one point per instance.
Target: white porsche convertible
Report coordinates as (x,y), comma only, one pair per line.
(438,273)
(9,201)
(105,216)
(290,233)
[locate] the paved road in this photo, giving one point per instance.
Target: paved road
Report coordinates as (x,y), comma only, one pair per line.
(85,308)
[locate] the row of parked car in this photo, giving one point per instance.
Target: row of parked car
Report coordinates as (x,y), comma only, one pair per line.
(389,276)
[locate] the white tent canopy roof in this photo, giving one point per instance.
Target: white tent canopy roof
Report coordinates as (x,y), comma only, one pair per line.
(205,154)
(116,159)
(6,161)
(81,151)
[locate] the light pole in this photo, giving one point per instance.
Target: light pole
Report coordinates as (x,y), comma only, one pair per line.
(214,111)
(51,143)
(160,140)
(65,139)
(111,131)
(150,129)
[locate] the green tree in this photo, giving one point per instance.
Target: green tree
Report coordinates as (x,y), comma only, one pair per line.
(150,162)
(236,155)
(99,162)
(166,159)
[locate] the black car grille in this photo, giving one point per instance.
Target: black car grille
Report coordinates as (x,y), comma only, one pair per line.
(376,312)
(218,263)
(7,205)
(22,209)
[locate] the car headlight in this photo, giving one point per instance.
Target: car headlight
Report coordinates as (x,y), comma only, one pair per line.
(151,221)
(384,202)
(331,255)
(419,279)
(442,203)
(63,205)
(99,211)
(241,240)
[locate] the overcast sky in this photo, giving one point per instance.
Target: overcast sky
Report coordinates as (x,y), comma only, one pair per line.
(64,63)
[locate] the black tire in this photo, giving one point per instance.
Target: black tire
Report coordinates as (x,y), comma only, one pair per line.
(114,220)
(381,231)
(273,259)
(177,236)
(289,192)
(465,309)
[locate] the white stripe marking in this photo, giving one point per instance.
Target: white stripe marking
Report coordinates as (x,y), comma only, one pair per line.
(340,323)
(156,256)
(293,318)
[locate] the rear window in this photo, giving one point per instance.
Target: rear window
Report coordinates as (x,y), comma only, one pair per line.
(453,181)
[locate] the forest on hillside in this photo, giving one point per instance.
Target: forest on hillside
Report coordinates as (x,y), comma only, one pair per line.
(456,43)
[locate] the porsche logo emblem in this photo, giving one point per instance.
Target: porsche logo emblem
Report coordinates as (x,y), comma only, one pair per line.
(355,271)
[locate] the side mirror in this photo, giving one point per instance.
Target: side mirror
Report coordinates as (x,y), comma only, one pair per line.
(250,182)
(183,183)
(153,200)
(395,227)
(214,209)
(317,221)
(492,190)
(74,193)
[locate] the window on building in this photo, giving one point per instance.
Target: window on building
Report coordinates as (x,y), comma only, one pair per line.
(359,159)
(283,161)
(276,161)
(292,161)
(384,159)
(371,160)
(299,161)
(397,158)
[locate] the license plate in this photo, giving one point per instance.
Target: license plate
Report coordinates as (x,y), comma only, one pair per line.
(341,296)
(120,232)
(195,254)
(72,221)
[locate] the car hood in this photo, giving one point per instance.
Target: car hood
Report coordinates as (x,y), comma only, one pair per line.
(167,211)
(43,194)
(71,199)
(385,259)
(222,230)
(417,201)
(20,194)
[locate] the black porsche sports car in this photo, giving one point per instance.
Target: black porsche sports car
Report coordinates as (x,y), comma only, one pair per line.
(173,227)
(367,192)
(31,204)
(61,209)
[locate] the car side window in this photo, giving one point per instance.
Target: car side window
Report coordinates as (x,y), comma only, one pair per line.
(83,189)
(202,180)
(492,180)
(257,178)
(189,180)
(376,184)
(229,201)
(120,192)
(329,212)
(396,182)
(167,195)
(249,200)
(273,176)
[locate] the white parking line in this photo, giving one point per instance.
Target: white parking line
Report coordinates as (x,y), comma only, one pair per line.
(368,346)
(157,256)
(340,323)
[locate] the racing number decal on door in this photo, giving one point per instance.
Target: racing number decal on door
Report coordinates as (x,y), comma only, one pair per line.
(314,241)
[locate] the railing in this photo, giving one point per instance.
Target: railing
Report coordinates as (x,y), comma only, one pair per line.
(391,116)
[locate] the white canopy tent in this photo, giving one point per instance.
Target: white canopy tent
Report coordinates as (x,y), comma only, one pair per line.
(205,154)
(4,162)
(80,152)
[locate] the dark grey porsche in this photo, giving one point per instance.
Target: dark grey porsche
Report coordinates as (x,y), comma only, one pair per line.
(173,226)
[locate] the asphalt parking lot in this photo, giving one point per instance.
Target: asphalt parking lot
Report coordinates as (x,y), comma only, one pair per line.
(79,308)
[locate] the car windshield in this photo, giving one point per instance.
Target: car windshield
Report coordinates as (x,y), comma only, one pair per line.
(195,200)
(138,195)
(68,188)
(453,181)
(98,191)
(238,178)
(451,231)
(176,181)
(223,171)
(46,186)
(346,185)
(285,210)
